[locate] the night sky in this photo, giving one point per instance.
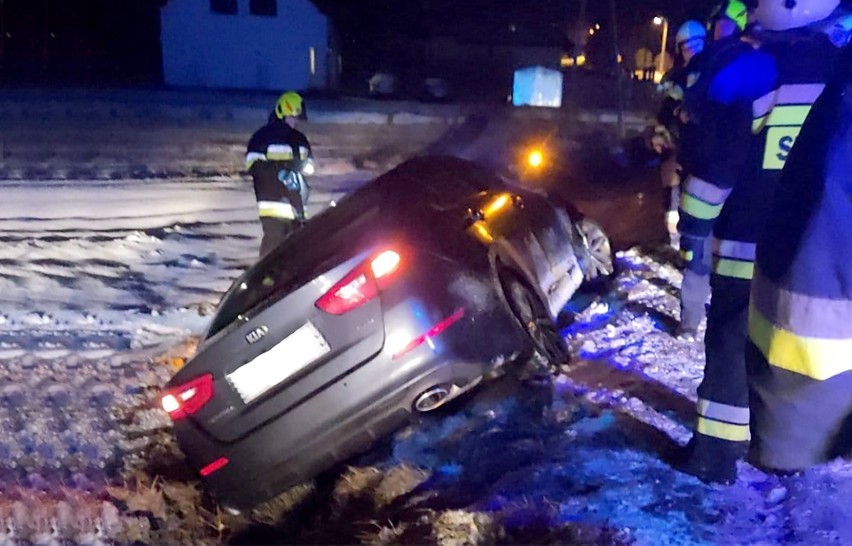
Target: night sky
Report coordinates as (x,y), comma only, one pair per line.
(110,40)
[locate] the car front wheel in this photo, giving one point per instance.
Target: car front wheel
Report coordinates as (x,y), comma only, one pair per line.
(548,346)
(598,260)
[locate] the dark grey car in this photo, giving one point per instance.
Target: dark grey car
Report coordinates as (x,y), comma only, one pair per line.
(411,291)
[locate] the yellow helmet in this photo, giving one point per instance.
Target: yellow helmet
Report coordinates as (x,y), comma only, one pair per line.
(289,105)
(735,10)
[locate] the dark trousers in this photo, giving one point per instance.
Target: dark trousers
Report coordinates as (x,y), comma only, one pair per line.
(797,421)
(275,230)
(727,324)
(722,425)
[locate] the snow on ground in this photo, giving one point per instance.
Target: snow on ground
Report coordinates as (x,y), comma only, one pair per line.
(105,286)
(86,457)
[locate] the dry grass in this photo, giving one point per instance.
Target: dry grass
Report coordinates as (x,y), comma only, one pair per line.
(398,481)
(461,528)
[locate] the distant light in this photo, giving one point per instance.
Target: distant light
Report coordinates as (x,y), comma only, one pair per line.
(581,60)
(591,32)
(536,159)
(597,26)
(620,59)
(658,20)
(313,53)
(566,61)
(513,28)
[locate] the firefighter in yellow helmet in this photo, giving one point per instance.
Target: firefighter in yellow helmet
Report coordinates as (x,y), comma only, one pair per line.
(278,158)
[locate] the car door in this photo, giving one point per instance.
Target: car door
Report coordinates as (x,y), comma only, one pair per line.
(548,242)
(505,216)
(558,267)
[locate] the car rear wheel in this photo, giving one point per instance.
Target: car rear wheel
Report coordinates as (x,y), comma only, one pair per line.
(598,262)
(548,346)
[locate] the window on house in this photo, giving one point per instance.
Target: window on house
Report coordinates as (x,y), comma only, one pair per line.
(268,8)
(224,7)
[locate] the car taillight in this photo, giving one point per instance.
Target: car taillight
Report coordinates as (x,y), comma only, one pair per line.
(183,401)
(361,285)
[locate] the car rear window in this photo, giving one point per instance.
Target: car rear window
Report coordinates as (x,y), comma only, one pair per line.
(321,243)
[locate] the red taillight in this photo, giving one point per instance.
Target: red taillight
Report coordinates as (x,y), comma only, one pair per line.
(434,331)
(218,464)
(361,284)
(183,401)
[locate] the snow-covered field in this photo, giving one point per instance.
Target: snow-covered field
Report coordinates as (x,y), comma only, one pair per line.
(105,286)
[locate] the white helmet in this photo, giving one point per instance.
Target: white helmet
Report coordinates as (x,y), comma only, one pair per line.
(787,14)
(690,30)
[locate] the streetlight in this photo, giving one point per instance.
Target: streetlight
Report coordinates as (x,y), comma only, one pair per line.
(658,20)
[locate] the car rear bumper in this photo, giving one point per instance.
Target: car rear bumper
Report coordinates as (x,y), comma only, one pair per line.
(341,420)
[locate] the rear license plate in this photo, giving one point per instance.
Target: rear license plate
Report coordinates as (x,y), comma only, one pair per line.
(281,362)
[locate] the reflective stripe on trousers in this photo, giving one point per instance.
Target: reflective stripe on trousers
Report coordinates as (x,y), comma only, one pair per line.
(807,335)
(723,421)
(723,394)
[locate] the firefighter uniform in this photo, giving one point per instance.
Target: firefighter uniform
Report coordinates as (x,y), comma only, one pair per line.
(275,154)
(756,102)
(800,323)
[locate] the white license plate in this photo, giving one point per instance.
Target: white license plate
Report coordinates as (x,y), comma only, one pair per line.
(281,362)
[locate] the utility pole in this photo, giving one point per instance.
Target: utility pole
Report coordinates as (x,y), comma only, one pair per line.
(580,29)
(619,75)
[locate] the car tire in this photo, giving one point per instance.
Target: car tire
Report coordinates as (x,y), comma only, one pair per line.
(598,263)
(547,348)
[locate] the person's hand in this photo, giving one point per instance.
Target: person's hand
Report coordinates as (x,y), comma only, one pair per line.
(670,173)
(661,140)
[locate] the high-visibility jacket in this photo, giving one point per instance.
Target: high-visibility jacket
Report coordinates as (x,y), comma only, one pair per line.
(719,138)
(274,153)
(755,103)
(800,320)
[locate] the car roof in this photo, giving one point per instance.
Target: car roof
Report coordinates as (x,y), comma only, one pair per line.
(437,176)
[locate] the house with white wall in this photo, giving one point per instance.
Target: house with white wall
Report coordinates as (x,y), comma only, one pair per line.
(248,44)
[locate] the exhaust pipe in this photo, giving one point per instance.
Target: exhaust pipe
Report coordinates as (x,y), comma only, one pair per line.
(432,399)
(435,397)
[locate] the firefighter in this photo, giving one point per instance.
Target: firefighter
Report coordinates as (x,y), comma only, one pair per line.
(690,41)
(755,103)
(727,23)
(278,158)
(800,324)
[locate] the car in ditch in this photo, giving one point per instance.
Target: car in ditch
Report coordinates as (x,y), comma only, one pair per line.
(411,291)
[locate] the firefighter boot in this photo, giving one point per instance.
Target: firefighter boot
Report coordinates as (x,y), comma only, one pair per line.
(712,460)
